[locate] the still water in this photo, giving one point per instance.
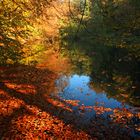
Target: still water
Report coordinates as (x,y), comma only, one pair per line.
(77,88)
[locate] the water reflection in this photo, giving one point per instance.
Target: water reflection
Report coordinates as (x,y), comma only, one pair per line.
(112,69)
(77,88)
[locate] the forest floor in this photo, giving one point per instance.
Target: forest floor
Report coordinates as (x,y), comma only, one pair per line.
(29,112)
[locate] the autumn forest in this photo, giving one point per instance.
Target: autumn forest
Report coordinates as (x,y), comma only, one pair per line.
(69,69)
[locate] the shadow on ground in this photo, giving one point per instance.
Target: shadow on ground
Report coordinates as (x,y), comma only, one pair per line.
(28,110)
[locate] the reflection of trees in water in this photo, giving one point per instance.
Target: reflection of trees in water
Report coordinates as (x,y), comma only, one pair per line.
(110,69)
(111,43)
(117,76)
(62,83)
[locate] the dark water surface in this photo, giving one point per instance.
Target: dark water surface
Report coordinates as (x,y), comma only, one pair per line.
(92,104)
(103,82)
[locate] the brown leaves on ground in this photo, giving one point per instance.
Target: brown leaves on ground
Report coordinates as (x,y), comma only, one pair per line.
(123,115)
(22,88)
(101,109)
(28,111)
(41,125)
(72,102)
